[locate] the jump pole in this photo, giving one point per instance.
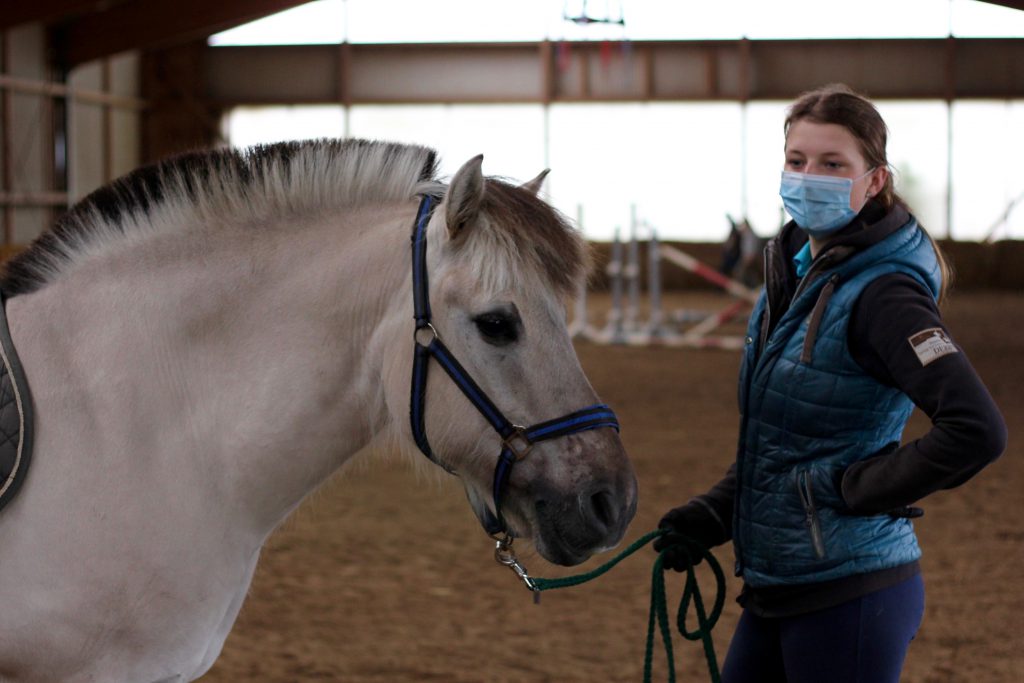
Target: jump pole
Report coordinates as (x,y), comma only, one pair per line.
(622,326)
(687,262)
(698,335)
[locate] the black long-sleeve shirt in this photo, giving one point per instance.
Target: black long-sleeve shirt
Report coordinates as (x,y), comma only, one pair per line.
(897,336)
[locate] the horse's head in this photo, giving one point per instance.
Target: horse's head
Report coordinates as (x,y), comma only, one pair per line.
(502,264)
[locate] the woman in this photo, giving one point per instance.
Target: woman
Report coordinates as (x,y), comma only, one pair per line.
(845,340)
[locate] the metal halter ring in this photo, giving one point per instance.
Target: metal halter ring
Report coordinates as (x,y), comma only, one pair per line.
(518,436)
(426,328)
(503,552)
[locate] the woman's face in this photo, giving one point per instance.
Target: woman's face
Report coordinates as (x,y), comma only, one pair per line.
(831,150)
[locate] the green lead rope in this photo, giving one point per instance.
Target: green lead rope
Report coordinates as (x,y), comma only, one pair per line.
(659,608)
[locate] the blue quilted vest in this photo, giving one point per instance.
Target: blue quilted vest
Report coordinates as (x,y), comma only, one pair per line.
(809,411)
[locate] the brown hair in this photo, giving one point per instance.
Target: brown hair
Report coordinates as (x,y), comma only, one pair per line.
(838,104)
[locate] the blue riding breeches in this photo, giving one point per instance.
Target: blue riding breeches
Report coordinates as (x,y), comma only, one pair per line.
(861,641)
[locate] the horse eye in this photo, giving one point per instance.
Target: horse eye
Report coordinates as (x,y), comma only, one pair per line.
(497,328)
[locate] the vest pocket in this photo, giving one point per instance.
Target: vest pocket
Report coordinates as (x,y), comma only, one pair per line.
(806,490)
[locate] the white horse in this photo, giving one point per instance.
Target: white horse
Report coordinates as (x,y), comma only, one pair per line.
(208,340)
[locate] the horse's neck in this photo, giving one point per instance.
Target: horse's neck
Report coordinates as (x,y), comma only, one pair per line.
(246,355)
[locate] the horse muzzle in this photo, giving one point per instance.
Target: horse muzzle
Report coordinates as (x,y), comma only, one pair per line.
(569,527)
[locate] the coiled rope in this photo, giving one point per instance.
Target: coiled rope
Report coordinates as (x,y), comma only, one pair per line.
(659,608)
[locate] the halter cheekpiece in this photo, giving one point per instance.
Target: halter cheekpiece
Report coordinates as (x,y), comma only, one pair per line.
(516,441)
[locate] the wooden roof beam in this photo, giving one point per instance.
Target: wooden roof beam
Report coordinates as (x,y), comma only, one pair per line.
(46,11)
(155,23)
(1012,4)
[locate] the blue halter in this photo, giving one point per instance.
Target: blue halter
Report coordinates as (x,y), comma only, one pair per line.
(516,441)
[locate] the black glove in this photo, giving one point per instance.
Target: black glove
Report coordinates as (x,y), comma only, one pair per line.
(691,522)
(678,552)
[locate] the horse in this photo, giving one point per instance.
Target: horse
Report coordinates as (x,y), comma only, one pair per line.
(208,339)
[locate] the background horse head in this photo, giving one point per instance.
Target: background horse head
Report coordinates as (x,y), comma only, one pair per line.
(207,340)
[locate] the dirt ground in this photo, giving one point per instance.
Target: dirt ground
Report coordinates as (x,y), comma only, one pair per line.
(384,575)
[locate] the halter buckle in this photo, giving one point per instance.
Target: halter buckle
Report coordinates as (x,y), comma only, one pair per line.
(518,442)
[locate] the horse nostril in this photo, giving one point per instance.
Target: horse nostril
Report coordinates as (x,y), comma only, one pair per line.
(603,505)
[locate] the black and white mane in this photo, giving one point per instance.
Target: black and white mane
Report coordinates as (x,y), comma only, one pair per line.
(213,187)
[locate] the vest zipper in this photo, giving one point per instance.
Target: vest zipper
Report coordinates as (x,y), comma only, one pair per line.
(811,513)
(811,275)
(816,315)
(832,258)
(768,255)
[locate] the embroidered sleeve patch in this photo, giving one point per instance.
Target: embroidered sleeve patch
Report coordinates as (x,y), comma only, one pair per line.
(931,344)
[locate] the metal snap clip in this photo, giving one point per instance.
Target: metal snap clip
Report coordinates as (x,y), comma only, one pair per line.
(506,557)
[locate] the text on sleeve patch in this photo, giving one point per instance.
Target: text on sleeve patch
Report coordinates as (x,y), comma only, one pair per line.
(931,344)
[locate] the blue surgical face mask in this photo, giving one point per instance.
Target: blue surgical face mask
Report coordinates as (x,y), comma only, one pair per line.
(819,204)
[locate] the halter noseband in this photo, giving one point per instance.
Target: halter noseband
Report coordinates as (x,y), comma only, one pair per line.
(516,441)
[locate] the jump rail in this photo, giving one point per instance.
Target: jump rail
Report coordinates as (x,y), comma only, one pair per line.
(623,325)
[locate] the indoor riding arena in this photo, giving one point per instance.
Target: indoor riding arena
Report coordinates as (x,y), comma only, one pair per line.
(662,124)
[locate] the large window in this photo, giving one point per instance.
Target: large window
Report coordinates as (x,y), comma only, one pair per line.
(247,126)
(511,137)
(679,165)
(919,153)
(988,178)
(683,167)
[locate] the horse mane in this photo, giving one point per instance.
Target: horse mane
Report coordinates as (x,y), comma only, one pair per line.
(224,185)
(254,185)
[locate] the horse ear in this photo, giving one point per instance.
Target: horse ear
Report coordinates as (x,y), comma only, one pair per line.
(465,195)
(535,184)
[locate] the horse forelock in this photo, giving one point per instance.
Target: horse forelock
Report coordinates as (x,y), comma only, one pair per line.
(522,238)
(217,187)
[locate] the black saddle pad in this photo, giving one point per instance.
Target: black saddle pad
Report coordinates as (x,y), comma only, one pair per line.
(15,415)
